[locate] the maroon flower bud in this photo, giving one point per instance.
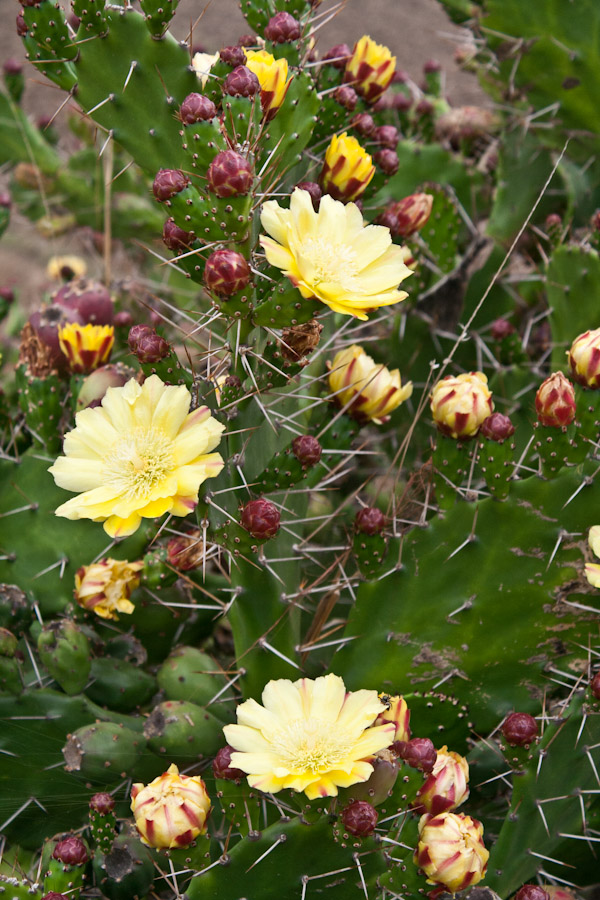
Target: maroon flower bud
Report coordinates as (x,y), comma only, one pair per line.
(497,427)
(501,328)
(222,767)
(175,238)
(595,220)
(338,56)
(123,319)
(520,729)
(5,199)
(12,66)
(53,895)
(532,892)
(233,56)
(241,83)
(402,102)
(197,108)
(147,345)
(261,519)
(432,65)
(369,520)
(555,401)
(363,123)
(314,190)
(408,215)
(169,182)
(226,272)
(135,333)
(387,136)
(346,96)
(102,803)
(400,76)
(595,686)
(72,852)
(282,27)
(7,294)
(418,753)
(553,221)
(384,102)
(387,160)
(21,25)
(307,450)
(359,818)
(229,174)
(424,107)
(247,40)
(89,299)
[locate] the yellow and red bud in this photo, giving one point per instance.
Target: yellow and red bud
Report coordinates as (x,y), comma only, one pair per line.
(397,712)
(446,785)
(172,810)
(370,68)
(584,359)
(273,78)
(555,401)
(106,586)
(86,347)
(451,851)
(347,169)
(368,391)
(460,404)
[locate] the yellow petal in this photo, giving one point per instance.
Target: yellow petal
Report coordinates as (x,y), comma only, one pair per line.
(120,528)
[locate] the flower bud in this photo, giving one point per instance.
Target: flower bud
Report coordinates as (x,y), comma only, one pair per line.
(387,160)
(22,29)
(102,803)
(532,892)
(338,56)
(282,28)
(12,66)
(431,66)
(186,552)
(595,686)
(451,851)
(86,346)
(175,238)
(369,520)
(409,214)
(5,199)
(402,102)
(54,895)
(273,77)
(95,385)
(387,136)
(520,729)
(460,404)
(346,96)
(347,169)
(501,329)
(553,221)
(233,56)
(89,299)
(370,68)
(106,586)
(222,767)
(171,811)
(241,83)
(446,786)
(368,391)
(7,295)
(497,427)
(226,272)
(123,319)
(584,359)
(364,124)
(261,519)
(196,108)
(307,450)
(169,182)
(314,190)
(555,401)
(247,40)
(359,818)
(419,753)
(397,711)
(147,345)
(229,174)
(72,852)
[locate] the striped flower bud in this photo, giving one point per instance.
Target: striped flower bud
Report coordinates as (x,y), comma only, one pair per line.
(584,359)
(347,169)
(460,404)
(229,174)
(368,391)
(106,586)
(86,346)
(451,851)
(409,214)
(226,272)
(171,811)
(370,68)
(273,78)
(446,786)
(532,892)
(555,401)
(397,712)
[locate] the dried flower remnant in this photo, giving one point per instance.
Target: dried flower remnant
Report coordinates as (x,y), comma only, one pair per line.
(105,587)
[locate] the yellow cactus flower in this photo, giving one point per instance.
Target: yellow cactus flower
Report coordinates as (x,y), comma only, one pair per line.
(331,256)
(66,268)
(592,570)
(310,736)
(202,63)
(446,786)
(86,346)
(370,68)
(369,392)
(172,810)
(584,359)
(140,454)
(396,711)
(106,586)
(273,78)
(347,169)
(451,851)
(460,404)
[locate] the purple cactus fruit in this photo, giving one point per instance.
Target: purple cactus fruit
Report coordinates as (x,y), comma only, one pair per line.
(196,108)
(222,767)
(147,345)
(432,65)
(338,56)
(369,520)
(501,328)
(241,83)
(307,450)
(419,753)
(247,40)
(347,97)
(402,102)
(12,66)
(229,174)
(497,427)
(364,124)
(282,28)
(226,272)
(175,238)
(387,136)
(233,56)
(168,182)
(96,384)
(359,818)
(387,160)
(520,729)
(72,851)
(314,190)
(89,299)
(261,519)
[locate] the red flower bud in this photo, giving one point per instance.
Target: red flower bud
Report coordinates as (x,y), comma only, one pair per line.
(387,136)
(595,686)
(338,56)
(418,753)
(314,190)
(520,729)
(222,767)
(424,107)
(307,450)
(233,56)
(261,519)
(501,329)
(402,102)
(406,216)
(147,345)
(169,182)
(359,818)
(102,803)
(226,272)
(229,174)
(347,97)
(432,65)
(497,427)
(197,108)
(364,124)
(175,238)
(5,199)
(21,25)
(555,401)
(282,27)
(72,852)
(12,66)
(123,319)
(89,299)
(241,83)
(532,892)
(387,160)
(369,520)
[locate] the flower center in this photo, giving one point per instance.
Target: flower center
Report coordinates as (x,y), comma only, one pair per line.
(312,744)
(139,462)
(333,262)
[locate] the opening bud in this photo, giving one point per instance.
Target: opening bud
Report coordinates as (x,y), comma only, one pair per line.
(282,27)
(584,359)
(307,450)
(520,729)
(226,272)
(229,174)
(222,767)
(555,401)
(532,892)
(241,83)
(169,182)
(369,520)
(72,852)
(359,818)
(261,519)
(197,108)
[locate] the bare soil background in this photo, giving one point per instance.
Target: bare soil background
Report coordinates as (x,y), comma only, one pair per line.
(415,30)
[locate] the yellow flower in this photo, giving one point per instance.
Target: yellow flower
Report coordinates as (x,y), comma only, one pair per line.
(584,359)
(86,346)
(451,850)
(202,63)
(330,254)
(347,169)
(106,586)
(309,736)
(371,390)
(171,811)
(272,74)
(65,268)
(370,68)
(138,455)
(460,403)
